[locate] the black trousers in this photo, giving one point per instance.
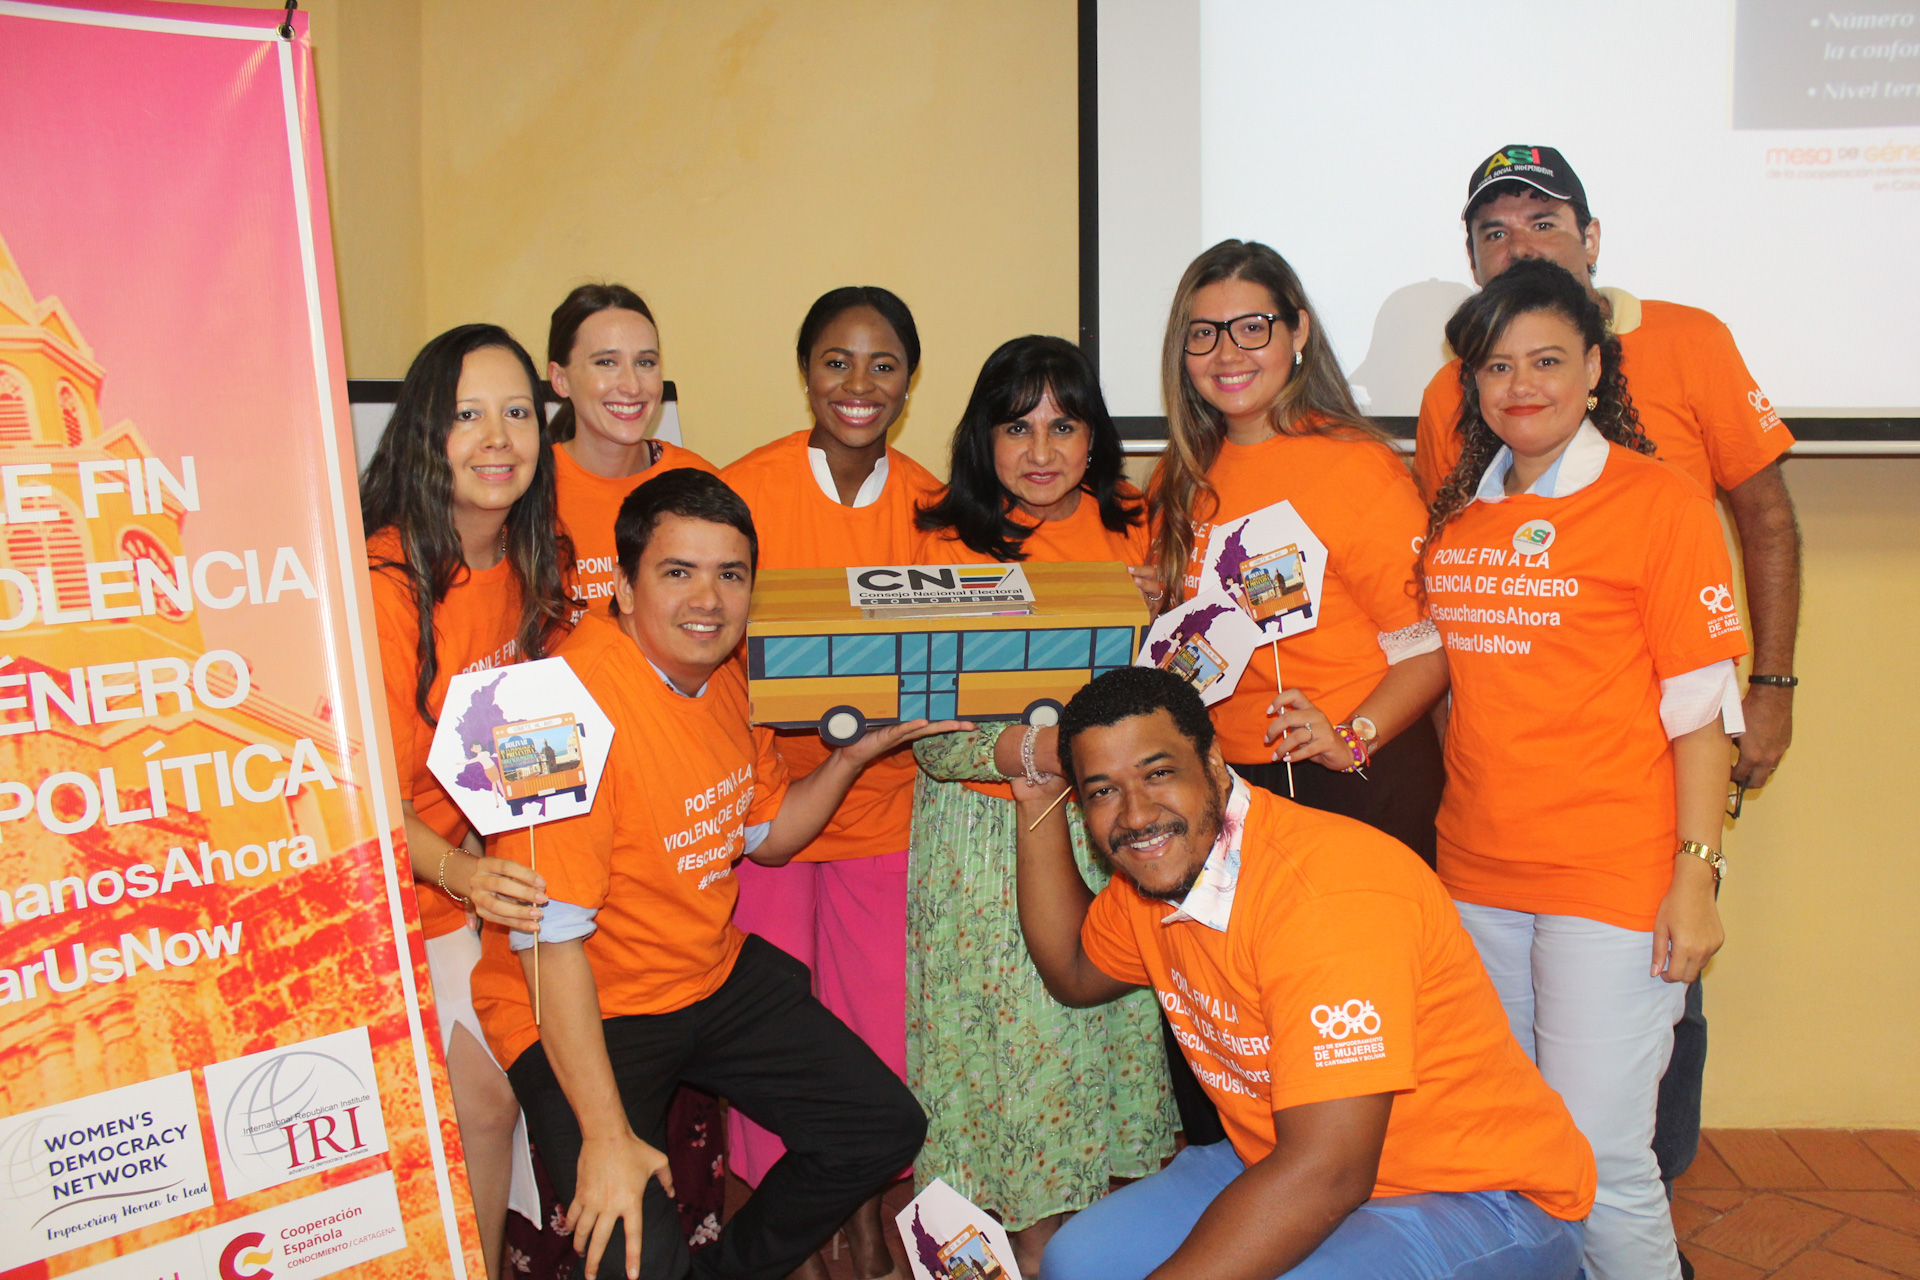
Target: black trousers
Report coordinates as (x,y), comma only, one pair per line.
(1400,795)
(764,1043)
(1676,1117)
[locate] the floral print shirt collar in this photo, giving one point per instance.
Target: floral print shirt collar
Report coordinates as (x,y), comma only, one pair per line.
(1210,901)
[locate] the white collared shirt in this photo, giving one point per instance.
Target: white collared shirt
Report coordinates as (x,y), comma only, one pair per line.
(870,488)
(1689,700)
(1210,901)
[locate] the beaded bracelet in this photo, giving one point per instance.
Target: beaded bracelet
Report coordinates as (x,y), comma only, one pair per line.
(443,879)
(1035,778)
(1361,756)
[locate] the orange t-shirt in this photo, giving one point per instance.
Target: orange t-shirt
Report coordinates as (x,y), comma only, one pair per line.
(589,504)
(1360,502)
(474,629)
(1697,402)
(685,777)
(1078,538)
(1343,972)
(1560,792)
(802,528)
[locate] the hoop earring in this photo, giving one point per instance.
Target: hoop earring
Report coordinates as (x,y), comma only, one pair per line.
(1296,359)
(1593,402)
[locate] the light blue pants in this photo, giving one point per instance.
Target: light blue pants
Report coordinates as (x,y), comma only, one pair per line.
(1482,1235)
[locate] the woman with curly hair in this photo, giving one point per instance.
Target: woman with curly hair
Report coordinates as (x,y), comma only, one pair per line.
(1581,588)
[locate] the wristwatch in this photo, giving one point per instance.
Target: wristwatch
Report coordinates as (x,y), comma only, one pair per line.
(1711,857)
(1364,729)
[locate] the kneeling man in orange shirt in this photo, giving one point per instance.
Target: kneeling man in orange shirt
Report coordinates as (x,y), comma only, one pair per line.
(1381,1119)
(643,979)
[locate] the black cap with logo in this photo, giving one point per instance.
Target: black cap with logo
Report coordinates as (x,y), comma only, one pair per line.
(1542,168)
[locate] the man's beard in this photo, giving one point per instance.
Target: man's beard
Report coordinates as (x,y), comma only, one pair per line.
(1212,821)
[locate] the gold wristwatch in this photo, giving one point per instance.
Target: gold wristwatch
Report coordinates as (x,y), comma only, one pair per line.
(1711,857)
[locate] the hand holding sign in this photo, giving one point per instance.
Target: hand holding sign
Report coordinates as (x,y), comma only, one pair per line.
(517,746)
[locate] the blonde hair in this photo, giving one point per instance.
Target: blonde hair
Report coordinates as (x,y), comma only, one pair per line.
(1315,400)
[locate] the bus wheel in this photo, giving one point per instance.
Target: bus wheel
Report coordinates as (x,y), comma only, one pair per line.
(1043,712)
(842,726)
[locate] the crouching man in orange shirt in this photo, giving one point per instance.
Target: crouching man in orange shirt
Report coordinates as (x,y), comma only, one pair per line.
(643,979)
(1381,1119)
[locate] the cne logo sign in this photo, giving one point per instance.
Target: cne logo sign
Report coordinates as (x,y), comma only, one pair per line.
(1533,537)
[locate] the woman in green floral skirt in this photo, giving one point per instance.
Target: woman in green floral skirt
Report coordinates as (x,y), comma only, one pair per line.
(1031,1106)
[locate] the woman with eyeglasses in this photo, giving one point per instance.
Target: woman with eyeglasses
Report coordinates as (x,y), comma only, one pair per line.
(1259,412)
(1031,1106)
(827,496)
(466,575)
(1588,753)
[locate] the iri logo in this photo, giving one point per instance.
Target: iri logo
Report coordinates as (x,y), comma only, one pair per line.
(289,1112)
(246,1257)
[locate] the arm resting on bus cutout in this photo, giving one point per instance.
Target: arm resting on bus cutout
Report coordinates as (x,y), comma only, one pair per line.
(811,800)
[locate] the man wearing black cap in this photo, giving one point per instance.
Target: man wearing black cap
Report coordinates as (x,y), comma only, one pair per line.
(1701,407)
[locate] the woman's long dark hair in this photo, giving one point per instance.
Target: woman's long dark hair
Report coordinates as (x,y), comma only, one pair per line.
(408,487)
(564,327)
(1528,286)
(1015,378)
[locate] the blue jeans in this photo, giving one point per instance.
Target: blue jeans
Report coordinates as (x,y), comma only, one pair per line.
(1482,1235)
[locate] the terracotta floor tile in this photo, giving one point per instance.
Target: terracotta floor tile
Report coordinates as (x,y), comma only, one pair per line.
(1689,1217)
(1818,1264)
(1896,1251)
(1719,1201)
(1762,1160)
(1841,1160)
(1708,1171)
(1708,1265)
(1899,1148)
(1897,1209)
(1767,1230)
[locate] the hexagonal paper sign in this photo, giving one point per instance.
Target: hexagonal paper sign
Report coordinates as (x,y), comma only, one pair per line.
(520,745)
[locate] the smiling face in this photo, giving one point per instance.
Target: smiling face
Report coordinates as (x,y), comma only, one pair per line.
(493,445)
(612,376)
(1041,459)
(857,378)
(1530,226)
(686,604)
(1154,805)
(1534,384)
(1243,385)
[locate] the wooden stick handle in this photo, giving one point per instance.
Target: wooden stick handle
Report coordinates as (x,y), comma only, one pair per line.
(533,856)
(1050,808)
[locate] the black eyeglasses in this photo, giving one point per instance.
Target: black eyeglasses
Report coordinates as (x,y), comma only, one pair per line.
(1249,333)
(1736,799)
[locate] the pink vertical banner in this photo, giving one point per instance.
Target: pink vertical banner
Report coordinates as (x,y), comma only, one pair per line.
(218,1058)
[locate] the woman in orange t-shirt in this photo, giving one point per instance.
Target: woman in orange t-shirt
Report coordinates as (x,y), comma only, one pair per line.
(1582,590)
(1259,412)
(831,495)
(465,575)
(603,359)
(1081,1094)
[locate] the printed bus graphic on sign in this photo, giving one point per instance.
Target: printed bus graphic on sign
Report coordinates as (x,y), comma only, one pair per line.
(539,758)
(1276,584)
(1196,662)
(969,1256)
(842,684)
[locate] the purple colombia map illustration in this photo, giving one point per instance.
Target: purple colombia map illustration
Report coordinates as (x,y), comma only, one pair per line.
(1193,624)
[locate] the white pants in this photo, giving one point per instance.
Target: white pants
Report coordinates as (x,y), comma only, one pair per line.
(1581,1003)
(451,958)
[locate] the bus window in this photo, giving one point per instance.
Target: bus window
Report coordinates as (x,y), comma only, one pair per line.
(858,655)
(994,651)
(783,657)
(1064,648)
(1113,647)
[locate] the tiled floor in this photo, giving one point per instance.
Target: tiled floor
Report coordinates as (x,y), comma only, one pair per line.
(1802,1204)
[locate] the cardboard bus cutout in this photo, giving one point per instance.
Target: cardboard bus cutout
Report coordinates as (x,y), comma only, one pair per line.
(821,656)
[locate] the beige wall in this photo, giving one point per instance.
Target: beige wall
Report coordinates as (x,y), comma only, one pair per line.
(734,160)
